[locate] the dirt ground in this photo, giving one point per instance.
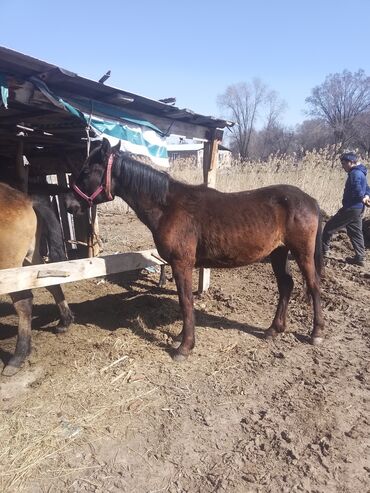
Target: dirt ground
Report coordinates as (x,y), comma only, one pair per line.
(103,408)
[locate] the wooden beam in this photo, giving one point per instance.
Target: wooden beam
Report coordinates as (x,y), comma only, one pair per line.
(39,138)
(210,157)
(22,116)
(37,276)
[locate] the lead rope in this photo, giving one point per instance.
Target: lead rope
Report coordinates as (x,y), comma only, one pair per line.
(88,140)
(87,128)
(93,237)
(91,231)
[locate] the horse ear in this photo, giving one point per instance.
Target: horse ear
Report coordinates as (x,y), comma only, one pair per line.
(105,149)
(117,147)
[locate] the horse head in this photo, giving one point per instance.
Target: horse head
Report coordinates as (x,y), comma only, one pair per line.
(95,183)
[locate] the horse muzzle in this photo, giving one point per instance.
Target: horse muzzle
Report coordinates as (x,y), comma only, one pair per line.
(74,205)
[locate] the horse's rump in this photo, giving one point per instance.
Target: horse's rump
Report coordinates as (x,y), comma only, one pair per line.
(18,226)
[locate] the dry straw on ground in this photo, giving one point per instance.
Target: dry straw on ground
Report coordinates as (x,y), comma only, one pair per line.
(39,439)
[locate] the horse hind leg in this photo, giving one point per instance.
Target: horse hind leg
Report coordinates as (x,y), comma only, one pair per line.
(22,302)
(306,264)
(162,279)
(280,266)
(183,278)
(66,315)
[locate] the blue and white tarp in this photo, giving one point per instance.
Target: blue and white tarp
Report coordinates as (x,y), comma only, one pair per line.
(4,91)
(136,136)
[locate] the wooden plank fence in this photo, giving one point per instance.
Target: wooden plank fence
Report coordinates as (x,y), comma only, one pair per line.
(37,276)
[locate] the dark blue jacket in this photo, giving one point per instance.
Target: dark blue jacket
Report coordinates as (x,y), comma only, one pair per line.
(356,188)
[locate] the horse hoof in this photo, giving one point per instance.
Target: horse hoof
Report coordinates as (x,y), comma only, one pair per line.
(317,341)
(10,370)
(179,358)
(270,335)
(61,329)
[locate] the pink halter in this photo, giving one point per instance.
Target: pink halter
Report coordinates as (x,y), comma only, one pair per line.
(107,187)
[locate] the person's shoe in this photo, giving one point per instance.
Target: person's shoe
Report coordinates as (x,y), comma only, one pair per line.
(355,261)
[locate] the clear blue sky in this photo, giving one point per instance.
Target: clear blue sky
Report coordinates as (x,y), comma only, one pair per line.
(194,49)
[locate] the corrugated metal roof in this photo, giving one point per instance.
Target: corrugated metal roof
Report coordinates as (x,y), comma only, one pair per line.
(64,82)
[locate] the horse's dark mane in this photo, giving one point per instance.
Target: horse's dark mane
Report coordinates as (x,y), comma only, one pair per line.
(139,178)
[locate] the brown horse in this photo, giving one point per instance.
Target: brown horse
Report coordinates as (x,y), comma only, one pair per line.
(21,222)
(195,226)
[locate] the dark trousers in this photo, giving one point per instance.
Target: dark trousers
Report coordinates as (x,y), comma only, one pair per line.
(352,220)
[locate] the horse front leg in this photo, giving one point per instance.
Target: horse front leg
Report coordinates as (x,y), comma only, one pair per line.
(66,316)
(22,302)
(183,278)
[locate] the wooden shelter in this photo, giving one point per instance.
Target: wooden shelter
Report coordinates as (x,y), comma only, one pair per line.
(39,137)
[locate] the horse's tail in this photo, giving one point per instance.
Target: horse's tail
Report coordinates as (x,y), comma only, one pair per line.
(319,258)
(51,228)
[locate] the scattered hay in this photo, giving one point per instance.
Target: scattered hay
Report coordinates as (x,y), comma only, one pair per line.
(40,439)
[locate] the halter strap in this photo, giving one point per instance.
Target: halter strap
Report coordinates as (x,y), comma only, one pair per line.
(106,187)
(108,178)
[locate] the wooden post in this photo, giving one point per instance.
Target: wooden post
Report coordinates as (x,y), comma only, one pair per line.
(81,234)
(62,181)
(210,157)
(22,170)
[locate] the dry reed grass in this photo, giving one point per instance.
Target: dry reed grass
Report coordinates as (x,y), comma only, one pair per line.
(315,173)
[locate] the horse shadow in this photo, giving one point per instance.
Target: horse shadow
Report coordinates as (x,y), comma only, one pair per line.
(155,309)
(142,299)
(169,311)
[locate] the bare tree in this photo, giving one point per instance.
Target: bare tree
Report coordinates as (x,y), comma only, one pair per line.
(275,107)
(243,102)
(313,134)
(361,139)
(274,138)
(339,101)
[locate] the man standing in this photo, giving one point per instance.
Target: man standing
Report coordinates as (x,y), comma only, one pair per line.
(355,196)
